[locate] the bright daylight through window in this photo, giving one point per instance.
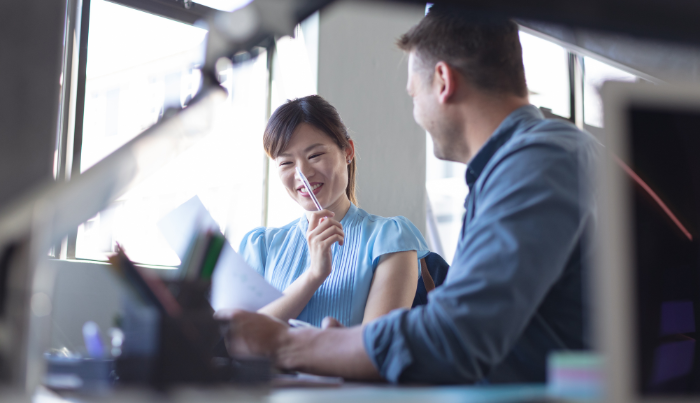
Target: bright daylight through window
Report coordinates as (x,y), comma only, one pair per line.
(294,75)
(595,74)
(135,72)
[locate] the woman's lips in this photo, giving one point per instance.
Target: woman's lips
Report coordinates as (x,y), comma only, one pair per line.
(316,187)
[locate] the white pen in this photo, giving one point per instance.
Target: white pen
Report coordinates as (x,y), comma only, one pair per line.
(300,323)
(308,189)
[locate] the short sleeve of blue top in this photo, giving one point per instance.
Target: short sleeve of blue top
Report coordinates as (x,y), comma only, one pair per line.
(281,255)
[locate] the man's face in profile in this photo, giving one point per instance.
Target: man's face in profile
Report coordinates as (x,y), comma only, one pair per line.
(419,90)
(427,110)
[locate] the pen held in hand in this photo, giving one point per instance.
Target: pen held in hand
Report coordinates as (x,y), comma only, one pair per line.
(308,189)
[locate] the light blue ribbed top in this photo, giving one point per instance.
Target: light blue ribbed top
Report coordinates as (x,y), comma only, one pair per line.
(281,255)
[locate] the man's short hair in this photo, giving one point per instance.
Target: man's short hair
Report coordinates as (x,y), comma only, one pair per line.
(486,52)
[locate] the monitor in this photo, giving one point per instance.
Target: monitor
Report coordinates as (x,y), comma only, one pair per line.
(647,282)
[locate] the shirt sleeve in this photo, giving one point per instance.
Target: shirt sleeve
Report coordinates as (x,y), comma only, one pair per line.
(253,249)
(397,234)
(526,225)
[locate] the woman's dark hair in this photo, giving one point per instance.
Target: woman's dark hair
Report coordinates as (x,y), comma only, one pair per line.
(317,112)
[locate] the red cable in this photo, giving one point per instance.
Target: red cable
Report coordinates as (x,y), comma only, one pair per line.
(653,195)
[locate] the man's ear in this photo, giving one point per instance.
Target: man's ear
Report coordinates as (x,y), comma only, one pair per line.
(444,82)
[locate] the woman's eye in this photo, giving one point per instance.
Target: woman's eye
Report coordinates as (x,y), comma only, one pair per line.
(285,163)
(316,155)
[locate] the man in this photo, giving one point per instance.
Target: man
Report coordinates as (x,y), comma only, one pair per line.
(514,291)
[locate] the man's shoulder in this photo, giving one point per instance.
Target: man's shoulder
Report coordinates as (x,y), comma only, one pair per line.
(549,136)
(552,132)
(544,144)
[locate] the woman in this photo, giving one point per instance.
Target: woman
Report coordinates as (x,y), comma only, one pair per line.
(341,261)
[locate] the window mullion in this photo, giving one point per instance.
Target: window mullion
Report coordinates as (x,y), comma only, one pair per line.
(77,139)
(268,112)
(576,88)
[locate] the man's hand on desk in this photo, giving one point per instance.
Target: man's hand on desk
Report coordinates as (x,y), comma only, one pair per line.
(252,334)
(333,350)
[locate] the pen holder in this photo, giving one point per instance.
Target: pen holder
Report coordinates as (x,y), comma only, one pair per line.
(161,350)
(192,295)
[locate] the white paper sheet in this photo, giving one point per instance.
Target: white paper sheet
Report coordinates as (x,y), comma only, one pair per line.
(234,283)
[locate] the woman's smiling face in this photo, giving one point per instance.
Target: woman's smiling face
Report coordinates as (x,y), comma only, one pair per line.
(322,162)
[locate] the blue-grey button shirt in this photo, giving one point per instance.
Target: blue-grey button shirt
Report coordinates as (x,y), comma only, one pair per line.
(515,290)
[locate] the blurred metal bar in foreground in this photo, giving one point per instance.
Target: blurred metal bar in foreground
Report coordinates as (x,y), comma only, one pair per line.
(43,217)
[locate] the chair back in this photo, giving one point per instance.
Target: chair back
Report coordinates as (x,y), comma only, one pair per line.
(433,272)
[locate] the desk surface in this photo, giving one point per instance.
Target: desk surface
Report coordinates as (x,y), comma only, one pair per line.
(349,392)
(409,394)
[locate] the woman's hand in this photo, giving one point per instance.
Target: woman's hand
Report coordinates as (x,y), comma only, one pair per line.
(323,232)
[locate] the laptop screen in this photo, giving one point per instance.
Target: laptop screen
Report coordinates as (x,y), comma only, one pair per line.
(664,173)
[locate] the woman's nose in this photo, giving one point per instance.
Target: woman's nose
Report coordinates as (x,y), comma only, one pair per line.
(305,169)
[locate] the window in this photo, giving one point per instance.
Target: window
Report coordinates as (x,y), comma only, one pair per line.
(595,74)
(135,72)
(446,190)
(547,74)
(294,75)
(224,5)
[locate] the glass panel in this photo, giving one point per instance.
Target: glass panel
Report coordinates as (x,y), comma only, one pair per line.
(447,190)
(294,76)
(547,74)
(595,74)
(134,72)
(129,94)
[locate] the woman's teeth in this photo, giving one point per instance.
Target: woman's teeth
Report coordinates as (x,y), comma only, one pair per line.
(313,187)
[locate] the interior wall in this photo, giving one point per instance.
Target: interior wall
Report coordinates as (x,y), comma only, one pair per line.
(363,74)
(88,291)
(84,291)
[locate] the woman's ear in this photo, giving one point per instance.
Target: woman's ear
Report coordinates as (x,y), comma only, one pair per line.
(350,152)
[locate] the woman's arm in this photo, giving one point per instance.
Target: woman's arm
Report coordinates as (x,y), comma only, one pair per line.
(393,285)
(294,298)
(323,232)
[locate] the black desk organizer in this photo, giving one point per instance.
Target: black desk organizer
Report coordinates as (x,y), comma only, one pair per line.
(162,351)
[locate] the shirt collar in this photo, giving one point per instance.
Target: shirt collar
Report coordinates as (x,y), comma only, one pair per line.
(304,222)
(499,137)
